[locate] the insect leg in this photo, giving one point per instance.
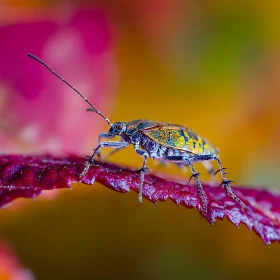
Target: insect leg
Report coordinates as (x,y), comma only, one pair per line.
(200,188)
(143,154)
(182,167)
(112,152)
(209,167)
(195,175)
(102,135)
(110,144)
(211,171)
(105,135)
(226,184)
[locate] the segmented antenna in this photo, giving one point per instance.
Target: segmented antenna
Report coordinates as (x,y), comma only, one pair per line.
(93,108)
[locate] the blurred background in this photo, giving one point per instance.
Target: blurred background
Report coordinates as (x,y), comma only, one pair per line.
(212,66)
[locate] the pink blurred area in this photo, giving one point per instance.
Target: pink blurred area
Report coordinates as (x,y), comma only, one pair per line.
(38,112)
(10,267)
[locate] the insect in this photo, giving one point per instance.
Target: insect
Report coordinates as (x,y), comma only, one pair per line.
(162,141)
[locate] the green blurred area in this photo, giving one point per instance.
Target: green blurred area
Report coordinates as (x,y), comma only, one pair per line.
(212,66)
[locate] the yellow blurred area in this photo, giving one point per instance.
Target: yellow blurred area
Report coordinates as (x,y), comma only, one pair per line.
(212,66)
(93,232)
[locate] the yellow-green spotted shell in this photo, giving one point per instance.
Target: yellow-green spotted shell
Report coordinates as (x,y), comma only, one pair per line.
(176,136)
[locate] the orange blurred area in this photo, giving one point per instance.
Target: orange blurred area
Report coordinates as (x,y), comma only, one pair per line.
(10,268)
(212,66)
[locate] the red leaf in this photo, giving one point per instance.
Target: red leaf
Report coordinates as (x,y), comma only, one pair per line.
(27,176)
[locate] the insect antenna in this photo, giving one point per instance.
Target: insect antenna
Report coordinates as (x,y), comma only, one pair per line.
(93,108)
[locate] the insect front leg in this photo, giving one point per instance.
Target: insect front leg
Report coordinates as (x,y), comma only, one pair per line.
(226,184)
(110,144)
(145,155)
(102,135)
(195,175)
(115,150)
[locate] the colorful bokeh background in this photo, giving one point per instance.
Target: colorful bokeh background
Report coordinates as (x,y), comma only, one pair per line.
(213,66)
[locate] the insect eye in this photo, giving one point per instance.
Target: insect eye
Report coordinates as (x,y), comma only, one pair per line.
(119,126)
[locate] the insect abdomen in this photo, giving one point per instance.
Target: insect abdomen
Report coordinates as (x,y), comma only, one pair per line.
(180,138)
(195,145)
(157,150)
(202,147)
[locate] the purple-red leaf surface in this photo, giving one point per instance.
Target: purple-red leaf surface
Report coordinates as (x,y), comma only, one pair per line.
(28,176)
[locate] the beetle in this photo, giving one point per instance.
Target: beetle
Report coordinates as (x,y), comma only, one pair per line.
(162,141)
